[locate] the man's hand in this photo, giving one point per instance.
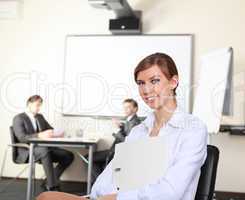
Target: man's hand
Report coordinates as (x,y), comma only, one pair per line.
(108,197)
(46,134)
(116,122)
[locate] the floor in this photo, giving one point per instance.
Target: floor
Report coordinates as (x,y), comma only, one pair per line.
(16,190)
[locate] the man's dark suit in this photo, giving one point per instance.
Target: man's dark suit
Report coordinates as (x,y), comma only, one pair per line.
(24,130)
(101,158)
(125,128)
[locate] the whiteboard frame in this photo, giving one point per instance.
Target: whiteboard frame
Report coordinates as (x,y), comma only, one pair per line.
(191,93)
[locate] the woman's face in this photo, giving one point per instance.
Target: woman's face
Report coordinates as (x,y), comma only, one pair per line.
(154,87)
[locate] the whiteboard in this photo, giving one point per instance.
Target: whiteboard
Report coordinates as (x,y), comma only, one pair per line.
(210,99)
(99,71)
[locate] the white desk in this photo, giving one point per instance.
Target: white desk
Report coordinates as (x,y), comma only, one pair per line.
(59,142)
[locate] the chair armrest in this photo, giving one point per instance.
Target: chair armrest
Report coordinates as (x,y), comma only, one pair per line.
(22,145)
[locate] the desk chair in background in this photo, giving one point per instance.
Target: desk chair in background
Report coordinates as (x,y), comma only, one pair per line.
(206,184)
(14,145)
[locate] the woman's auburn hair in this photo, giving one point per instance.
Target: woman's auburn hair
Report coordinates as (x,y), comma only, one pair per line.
(163,61)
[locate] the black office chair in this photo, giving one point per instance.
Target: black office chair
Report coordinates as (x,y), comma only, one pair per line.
(206,184)
(14,145)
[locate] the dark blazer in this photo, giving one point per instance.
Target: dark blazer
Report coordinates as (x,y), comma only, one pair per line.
(124,131)
(126,127)
(24,130)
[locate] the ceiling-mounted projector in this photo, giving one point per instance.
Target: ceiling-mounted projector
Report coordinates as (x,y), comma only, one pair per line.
(127,21)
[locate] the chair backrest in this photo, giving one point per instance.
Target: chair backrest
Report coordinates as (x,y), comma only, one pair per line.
(207,178)
(14,140)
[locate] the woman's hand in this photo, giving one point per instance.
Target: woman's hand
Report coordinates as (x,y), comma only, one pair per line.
(59,196)
(108,197)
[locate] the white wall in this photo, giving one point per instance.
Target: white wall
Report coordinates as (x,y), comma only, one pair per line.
(32,51)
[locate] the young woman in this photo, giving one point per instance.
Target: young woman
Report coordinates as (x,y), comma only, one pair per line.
(157,79)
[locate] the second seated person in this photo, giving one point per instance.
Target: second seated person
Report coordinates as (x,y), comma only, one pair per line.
(101,158)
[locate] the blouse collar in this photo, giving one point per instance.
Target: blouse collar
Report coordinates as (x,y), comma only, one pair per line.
(177,119)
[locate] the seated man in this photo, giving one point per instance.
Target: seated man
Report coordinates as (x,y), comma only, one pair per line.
(102,158)
(32,124)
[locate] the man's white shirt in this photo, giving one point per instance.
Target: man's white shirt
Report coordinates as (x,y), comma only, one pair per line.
(32,118)
(130,117)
